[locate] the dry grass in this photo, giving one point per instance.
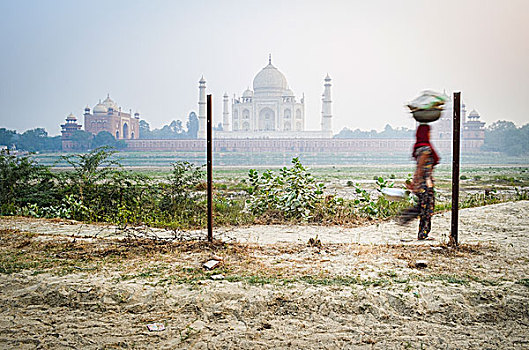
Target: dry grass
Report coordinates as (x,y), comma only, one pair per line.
(181,262)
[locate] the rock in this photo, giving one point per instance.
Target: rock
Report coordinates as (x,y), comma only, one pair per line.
(198,325)
(217,277)
(156,327)
(420,264)
(211,264)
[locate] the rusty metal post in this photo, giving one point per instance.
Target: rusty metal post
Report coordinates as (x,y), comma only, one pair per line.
(456,136)
(209,166)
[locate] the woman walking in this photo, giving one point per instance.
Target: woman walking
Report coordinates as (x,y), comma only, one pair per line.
(423,182)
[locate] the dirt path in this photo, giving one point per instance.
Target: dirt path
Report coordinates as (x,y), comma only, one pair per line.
(504,222)
(360,290)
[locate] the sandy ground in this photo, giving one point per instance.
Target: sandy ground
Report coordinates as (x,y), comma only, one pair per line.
(361,289)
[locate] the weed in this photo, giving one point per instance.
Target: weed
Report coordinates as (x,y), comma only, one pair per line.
(524,282)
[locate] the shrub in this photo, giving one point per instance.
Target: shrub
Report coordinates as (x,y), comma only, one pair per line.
(23,182)
(183,199)
(293,192)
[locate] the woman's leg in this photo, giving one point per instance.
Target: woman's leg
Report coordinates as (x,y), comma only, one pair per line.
(426,206)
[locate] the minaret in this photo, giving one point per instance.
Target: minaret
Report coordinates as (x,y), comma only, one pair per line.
(225,114)
(202,109)
(326,113)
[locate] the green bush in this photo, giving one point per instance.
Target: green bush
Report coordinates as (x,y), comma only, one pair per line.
(23,182)
(293,192)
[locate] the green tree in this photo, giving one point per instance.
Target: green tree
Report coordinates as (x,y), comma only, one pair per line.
(22,182)
(192,126)
(104,138)
(503,136)
(82,140)
(88,169)
(7,137)
(32,140)
(145,130)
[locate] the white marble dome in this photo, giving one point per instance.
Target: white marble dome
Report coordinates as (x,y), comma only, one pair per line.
(269,78)
(247,93)
(100,108)
(109,103)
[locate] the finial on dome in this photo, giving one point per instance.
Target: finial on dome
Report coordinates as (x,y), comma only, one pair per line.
(269,58)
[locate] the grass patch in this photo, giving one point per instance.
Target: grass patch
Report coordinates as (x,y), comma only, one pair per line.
(524,282)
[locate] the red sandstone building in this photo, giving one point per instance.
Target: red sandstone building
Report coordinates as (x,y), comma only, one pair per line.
(68,129)
(107,116)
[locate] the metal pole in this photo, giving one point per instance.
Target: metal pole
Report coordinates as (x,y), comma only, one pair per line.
(455,167)
(209,169)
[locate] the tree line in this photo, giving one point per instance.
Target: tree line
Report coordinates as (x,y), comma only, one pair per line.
(502,136)
(171,131)
(505,137)
(38,140)
(387,133)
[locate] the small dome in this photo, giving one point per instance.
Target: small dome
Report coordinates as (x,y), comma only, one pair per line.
(109,103)
(100,108)
(474,113)
(87,108)
(71,116)
(269,78)
(247,93)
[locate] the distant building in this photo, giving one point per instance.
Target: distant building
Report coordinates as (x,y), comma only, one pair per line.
(472,129)
(270,110)
(67,131)
(107,116)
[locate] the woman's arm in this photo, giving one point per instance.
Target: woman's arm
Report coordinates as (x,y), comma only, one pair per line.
(419,171)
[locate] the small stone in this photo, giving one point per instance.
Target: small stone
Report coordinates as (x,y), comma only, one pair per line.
(420,264)
(217,277)
(156,327)
(198,325)
(211,264)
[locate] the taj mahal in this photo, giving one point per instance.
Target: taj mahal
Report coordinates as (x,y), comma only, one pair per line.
(270,110)
(267,118)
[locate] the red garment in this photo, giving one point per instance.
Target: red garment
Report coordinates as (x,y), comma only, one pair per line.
(423,139)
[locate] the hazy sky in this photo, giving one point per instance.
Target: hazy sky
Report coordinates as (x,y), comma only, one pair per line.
(58,56)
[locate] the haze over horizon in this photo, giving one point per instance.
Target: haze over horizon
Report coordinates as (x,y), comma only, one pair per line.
(59,56)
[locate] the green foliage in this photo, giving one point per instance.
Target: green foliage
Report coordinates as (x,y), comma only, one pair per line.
(521,194)
(174,130)
(7,137)
(88,169)
(104,138)
(293,192)
(23,181)
(182,201)
(379,206)
(81,139)
(96,188)
(388,132)
(503,136)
